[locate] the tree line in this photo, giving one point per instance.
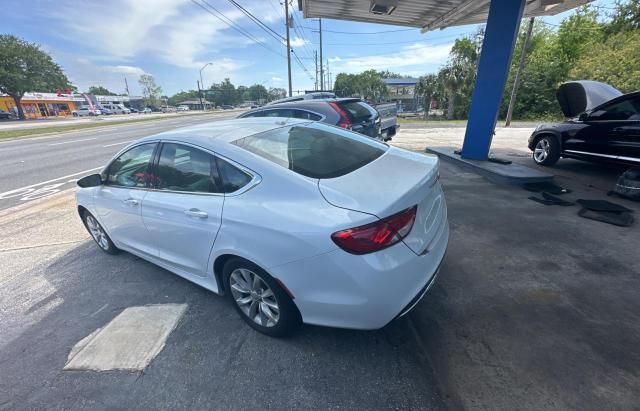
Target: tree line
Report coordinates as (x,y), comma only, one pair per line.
(593,43)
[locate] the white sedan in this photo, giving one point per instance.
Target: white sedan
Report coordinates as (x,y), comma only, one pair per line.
(294,221)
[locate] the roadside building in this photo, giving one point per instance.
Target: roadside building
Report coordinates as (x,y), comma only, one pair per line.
(402,92)
(195,104)
(39,105)
(43,105)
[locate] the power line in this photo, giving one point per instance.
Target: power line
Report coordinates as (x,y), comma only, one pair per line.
(220,16)
(302,65)
(258,22)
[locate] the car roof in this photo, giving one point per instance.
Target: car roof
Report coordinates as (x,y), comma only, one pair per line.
(217,133)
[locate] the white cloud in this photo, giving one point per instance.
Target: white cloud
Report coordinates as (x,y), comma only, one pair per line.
(298,42)
(276,79)
(412,56)
(84,74)
(176,31)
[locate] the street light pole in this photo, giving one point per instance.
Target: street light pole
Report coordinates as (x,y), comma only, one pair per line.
(202,84)
(286,12)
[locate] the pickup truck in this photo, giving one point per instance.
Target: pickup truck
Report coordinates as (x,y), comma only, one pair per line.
(388,120)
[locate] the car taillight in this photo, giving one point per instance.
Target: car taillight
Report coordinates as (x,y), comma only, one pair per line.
(344,121)
(376,236)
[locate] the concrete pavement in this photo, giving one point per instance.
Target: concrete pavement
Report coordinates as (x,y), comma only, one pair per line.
(535,308)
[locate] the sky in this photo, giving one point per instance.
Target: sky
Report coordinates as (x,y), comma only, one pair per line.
(103,42)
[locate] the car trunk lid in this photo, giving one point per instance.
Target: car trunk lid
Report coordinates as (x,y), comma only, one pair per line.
(392,183)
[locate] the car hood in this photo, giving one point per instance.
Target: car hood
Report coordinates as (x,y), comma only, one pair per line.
(576,97)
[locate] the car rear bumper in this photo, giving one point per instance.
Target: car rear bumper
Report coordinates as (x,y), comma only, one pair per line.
(366,292)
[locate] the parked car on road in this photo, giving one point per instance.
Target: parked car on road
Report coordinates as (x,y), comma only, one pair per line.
(83,111)
(350,113)
(5,115)
(146,110)
(133,110)
(227,107)
(319,225)
(182,108)
(603,125)
(319,95)
(106,111)
(116,108)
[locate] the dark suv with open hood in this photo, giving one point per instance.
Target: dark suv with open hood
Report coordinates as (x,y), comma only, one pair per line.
(603,125)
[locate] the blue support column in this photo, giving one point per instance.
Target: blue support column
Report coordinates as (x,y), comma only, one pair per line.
(493,69)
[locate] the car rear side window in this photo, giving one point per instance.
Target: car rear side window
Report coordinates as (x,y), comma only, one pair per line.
(233,179)
(306,115)
(314,150)
(185,168)
(358,110)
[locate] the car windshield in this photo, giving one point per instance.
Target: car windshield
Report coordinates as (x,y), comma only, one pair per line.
(314,150)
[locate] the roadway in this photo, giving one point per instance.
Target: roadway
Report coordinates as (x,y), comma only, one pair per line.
(36,167)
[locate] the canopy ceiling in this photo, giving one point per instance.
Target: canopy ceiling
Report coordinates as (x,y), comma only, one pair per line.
(426,14)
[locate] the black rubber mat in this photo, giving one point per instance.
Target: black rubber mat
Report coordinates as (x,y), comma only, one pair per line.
(499,160)
(545,186)
(556,200)
(620,219)
(603,205)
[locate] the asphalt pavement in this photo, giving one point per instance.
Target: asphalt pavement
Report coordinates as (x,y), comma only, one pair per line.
(36,167)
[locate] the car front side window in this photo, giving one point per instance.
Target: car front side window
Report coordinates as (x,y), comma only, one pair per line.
(130,169)
(628,109)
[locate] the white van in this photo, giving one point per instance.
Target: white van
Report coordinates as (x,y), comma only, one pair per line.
(116,108)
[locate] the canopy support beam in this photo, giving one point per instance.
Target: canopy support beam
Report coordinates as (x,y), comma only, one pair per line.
(495,59)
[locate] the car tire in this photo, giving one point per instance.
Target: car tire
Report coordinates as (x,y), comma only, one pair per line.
(98,233)
(75,114)
(546,150)
(259,299)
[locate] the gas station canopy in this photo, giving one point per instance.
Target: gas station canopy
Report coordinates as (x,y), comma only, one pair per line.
(502,18)
(424,14)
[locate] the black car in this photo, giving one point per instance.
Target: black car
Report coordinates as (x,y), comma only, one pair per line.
(603,125)
(5,115)
(351,113)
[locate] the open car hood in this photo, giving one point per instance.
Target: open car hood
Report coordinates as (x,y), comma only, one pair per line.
(576,97)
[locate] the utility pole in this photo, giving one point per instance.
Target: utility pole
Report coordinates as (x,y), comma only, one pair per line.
(321,70)
(286,11)
(328,76)
(200,94)
(126,85)
(516,80)
(316,88)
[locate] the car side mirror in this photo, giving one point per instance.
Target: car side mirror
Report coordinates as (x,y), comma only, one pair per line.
(92,180)
(583,117)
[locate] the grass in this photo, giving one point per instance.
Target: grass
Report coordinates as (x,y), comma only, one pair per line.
(37,131)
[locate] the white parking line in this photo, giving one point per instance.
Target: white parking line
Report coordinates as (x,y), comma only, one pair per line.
(117,144)
(73,141)
(48,181)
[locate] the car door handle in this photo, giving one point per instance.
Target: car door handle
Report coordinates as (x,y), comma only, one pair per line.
(131,201)
(194,212)
(618,130)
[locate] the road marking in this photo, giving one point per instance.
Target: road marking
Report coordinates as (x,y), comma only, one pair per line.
(129,342)
(16,190)
(117,144)
(73,141)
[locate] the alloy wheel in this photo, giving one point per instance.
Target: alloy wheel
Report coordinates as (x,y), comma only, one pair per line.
(541,151)
(254,297)
(97,233)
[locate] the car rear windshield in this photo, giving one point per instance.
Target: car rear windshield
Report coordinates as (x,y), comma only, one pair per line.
(314,150)
(358,110)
